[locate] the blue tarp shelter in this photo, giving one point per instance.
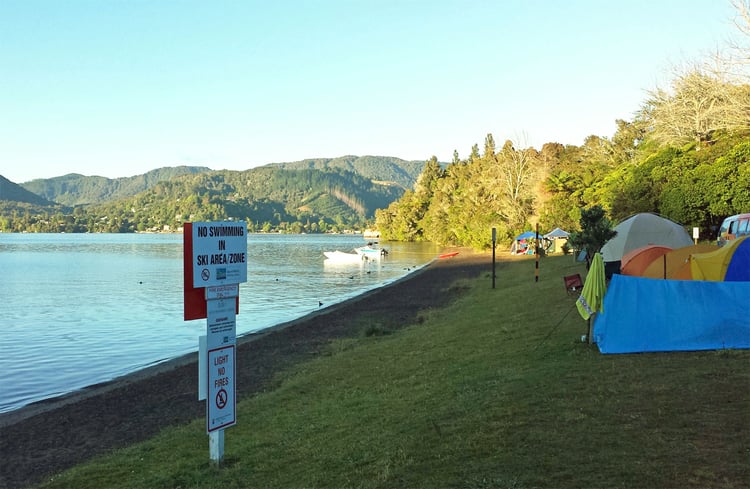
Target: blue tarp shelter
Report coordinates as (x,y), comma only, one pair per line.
(522,244)
(646,315)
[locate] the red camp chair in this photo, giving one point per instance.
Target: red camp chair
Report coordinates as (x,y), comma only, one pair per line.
(573,283)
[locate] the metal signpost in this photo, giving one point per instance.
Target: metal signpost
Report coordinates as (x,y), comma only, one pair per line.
(215,264)
(494,238)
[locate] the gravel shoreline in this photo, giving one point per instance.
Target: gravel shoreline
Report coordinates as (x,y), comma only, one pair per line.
(50,436)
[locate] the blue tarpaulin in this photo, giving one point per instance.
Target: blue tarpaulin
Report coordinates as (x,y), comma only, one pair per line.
(643,314)
(528,235)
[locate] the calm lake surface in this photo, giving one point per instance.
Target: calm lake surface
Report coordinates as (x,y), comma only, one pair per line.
(79,309)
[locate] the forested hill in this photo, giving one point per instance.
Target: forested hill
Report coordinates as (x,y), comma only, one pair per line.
(74,189)
(269,198)
(13,192)
(378,168)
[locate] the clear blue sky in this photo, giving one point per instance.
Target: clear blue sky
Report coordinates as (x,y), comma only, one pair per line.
(119,87)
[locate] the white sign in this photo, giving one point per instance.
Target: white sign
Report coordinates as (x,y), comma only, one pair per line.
(220,399)
(221,323)
(696,232)
(219,253)
(222,291)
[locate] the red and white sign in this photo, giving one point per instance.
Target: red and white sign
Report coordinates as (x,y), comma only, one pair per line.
(221,399)
(219,253)
(196,296)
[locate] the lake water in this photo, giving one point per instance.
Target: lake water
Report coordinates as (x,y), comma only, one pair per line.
(79,309)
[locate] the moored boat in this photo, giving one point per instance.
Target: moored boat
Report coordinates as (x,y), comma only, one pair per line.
(370,252)
(342,257)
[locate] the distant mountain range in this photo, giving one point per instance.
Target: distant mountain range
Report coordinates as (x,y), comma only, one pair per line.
(74,189)
(309,195)
(12,192)
(377,168)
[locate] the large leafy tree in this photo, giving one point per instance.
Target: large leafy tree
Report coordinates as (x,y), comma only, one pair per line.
(596,229)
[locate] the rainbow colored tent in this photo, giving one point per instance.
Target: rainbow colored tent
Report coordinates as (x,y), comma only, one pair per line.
(675,265)
(730,263)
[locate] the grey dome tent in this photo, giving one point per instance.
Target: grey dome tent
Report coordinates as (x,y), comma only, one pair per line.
(641,230)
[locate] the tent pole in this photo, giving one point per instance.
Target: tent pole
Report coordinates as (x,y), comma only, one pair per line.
(588,336)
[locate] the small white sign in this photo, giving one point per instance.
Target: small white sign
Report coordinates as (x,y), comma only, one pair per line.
(219,253)
(696,232)
(222,291)
(221,399)
(221,323)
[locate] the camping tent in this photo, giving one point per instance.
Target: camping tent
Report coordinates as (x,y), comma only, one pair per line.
(642,314)
(730,263)
(557,233)
(523,244)
(675,265)
(641,230)
(636,261)
(557,238)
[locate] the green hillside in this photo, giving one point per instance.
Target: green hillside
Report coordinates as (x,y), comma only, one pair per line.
(319,195)
(12,192)
(378,168)
(269,198)
(74,189)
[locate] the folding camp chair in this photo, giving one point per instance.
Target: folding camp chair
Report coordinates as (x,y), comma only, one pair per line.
(573,283)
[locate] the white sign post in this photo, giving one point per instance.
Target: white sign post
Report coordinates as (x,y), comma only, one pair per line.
(219,265)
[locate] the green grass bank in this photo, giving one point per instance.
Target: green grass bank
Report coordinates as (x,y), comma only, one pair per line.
(494,390)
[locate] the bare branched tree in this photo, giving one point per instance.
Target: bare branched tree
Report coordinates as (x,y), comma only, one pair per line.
(732,61)
(701,103)
(741,47)
(516,172)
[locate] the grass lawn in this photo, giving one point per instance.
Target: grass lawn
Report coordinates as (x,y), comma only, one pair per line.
(495,390)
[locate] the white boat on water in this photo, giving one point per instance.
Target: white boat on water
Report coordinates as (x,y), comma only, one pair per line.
(363,253)
(370,252)
(342,257)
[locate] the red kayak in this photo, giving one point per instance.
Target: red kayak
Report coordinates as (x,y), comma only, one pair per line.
(448,255)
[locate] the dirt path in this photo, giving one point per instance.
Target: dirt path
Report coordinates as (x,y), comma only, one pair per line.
(50,436)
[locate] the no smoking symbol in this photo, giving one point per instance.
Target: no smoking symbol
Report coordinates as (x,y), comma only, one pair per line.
(221,398)
(205,274)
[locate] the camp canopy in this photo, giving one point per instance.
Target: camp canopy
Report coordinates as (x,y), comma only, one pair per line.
(522,244)
(557,239)
(557,233)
